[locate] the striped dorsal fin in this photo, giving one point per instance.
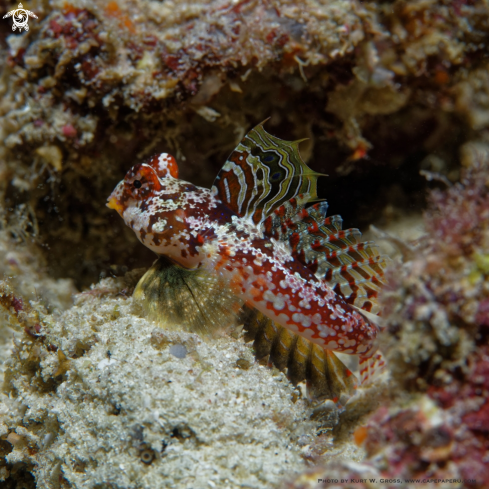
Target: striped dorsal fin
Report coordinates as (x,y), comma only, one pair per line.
(353,269)
(261,174)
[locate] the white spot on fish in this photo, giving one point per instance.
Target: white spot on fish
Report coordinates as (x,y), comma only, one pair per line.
(160,226)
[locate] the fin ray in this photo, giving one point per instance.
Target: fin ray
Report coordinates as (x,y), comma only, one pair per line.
(352,268)
(188,299)
(325,375)
(371,367)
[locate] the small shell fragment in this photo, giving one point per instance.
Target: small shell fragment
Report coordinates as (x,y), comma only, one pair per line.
(178,351)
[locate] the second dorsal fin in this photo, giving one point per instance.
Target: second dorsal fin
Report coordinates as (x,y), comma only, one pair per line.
(352,268)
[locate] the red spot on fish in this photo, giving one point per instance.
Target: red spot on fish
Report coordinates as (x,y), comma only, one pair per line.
(280,212)
(294,240)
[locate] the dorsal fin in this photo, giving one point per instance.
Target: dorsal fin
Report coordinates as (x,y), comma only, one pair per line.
(261,174)
(353,269)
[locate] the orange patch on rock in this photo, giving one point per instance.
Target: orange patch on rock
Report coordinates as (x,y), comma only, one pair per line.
(360,435)
(113,10)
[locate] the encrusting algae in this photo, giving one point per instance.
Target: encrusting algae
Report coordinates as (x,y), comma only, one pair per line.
(432,429)
(253,233)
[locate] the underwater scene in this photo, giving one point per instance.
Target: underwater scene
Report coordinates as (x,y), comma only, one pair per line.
(244,244)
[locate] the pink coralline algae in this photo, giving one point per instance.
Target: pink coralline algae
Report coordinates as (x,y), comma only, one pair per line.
(438,342)
(433,432)
(443,437)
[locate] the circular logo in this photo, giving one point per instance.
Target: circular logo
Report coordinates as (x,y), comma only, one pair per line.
(20,17)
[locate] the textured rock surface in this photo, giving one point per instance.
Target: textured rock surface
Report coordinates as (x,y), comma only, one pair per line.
(382,89)
(95,86)
(100,397)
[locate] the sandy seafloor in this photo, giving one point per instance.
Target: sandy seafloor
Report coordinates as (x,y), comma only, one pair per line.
(124,409)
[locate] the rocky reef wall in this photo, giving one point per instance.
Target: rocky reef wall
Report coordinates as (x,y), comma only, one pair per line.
(94,86)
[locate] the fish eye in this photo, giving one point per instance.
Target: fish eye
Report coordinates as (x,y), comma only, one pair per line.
(137,184)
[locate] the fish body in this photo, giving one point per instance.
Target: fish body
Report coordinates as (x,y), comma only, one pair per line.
(252,230)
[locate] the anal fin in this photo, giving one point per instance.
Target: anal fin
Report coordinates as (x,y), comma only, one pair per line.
(325,375)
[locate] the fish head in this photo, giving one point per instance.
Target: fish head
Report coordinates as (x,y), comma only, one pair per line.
(162,210)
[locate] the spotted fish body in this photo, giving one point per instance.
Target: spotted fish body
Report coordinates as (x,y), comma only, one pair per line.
(252,230)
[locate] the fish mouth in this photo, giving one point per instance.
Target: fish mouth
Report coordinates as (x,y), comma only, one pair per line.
(113,203)
(114,199)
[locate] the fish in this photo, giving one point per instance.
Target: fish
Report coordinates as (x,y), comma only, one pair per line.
(262,234)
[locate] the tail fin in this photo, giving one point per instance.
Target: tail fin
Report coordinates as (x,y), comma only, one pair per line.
(371,367)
